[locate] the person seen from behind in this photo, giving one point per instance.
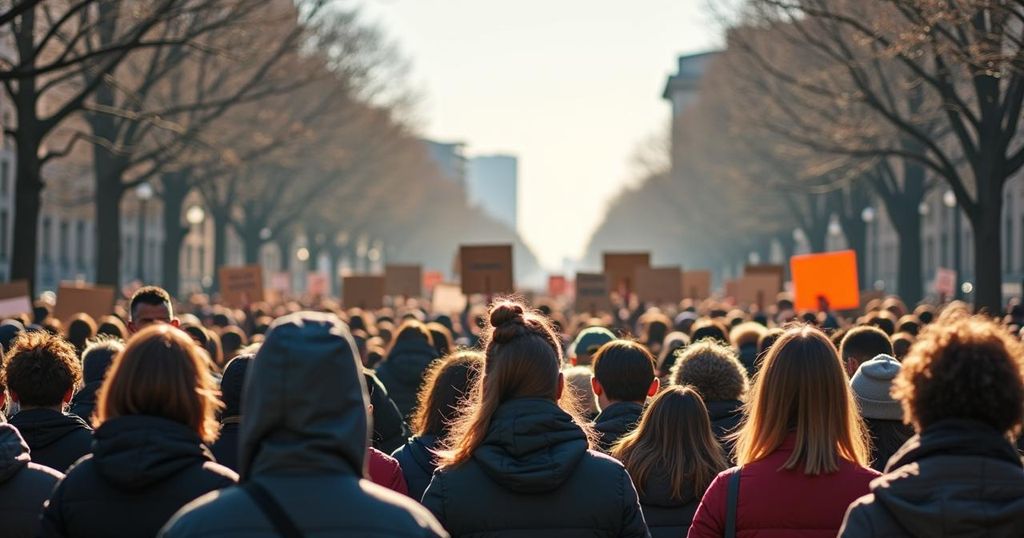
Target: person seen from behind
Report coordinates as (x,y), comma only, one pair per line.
(861,344)
(402,371)
(714,371)
(96,360)
(882,415)
(624,378)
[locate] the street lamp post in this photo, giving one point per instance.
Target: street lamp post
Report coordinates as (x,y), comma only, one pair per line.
(868,216)
(949,200)
(144,192)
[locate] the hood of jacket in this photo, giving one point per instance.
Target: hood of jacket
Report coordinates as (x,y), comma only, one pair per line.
(43,427)
(532,446)
(136,451)
(87,394)
(13,452)
(957,477)
(723,409)
(422,451)
(408,360)
(304,401)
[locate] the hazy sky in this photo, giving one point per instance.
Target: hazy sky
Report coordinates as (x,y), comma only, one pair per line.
(573,87)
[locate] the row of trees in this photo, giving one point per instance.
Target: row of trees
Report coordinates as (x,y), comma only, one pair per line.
(816,106)
(285,115)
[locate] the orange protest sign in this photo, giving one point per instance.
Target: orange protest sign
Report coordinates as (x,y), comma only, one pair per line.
(403,280)
(363,291)
(659,285)
(486,269)
(241,286)
(592,293)
(831,276)
(696,285)
(621,269)
(97,301)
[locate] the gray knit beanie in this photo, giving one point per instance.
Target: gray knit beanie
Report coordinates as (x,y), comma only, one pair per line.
(871,385)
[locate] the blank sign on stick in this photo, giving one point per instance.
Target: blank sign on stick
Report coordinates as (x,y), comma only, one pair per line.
(831,276)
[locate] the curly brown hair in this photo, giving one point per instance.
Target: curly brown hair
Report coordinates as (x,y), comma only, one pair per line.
(40,369)
(966,368)
(713,370)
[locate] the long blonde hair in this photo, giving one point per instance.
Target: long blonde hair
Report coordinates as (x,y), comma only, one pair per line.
(522,357)
(802,389)
(674,436)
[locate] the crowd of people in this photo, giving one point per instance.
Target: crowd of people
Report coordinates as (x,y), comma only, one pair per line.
(694,419)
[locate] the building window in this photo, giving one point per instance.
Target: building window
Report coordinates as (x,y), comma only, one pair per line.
(80,243)
(65,249)
(47,225)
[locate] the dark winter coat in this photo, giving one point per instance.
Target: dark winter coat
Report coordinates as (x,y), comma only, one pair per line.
(84,402)
(725,416)
(418,463)
(142,470)
(780,503)
(304,439)
(534,476)
(615,421)
(225,448)
(24,486)
(667,517)
(402,372)
(957,478)
(55,439)
(887,436)
(389,429)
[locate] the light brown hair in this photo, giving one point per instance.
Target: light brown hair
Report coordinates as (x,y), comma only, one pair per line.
(674,437)
(162,372)
(802,389)
(446,386)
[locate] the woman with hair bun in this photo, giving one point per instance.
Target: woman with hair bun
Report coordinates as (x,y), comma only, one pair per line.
(517,462)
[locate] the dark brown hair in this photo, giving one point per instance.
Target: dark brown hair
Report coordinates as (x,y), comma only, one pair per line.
(865,343)
(162,372)
(445,388)
(625,370)
(40,369)
(80,328)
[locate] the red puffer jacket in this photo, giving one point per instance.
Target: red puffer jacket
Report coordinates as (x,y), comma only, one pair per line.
(386,471)
(780,503)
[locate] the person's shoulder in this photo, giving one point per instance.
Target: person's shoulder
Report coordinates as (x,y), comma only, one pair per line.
(44,472)
(399,509)
(208,512)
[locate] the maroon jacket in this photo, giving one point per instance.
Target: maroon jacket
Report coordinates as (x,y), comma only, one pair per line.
(385,471)
(780,503)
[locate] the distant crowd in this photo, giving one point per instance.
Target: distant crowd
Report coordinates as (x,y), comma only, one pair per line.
(693,419)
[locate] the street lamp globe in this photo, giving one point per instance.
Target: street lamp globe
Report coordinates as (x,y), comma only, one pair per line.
(868,214)
(302,254)
(949,199)
(834,228)
(195,215)
(924,209)
(144,191)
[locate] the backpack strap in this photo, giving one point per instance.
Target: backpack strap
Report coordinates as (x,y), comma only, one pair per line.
(283,524)
(731,503)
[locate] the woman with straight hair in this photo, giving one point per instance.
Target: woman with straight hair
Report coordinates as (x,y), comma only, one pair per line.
(672,457)
(802,449)
(156,409)
(446,387)
(517,463)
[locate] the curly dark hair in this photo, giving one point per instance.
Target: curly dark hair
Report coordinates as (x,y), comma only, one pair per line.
(966,368)
(713,370)
(40,369)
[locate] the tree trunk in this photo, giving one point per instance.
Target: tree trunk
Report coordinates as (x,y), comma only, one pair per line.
(988,245)
(908,275)
(175,190)
(253,244)
(27,205)
(284,246)
(856,233)
(107,202)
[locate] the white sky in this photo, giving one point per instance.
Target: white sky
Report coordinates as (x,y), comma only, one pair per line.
(573,87)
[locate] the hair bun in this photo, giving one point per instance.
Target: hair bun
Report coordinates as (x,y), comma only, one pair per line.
(507,320)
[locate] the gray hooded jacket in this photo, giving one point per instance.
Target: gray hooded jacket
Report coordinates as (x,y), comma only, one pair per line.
(304,439)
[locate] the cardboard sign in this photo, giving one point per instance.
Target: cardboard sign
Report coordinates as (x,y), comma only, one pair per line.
(431,279)
(557,286)
(448,299)
(363,291)
(831,276)
(317,284)
(403,280)
(758,290)
(281,283)
(659,285)
(97,301)
(486,269)
(592,293)
(767,269)
(696,285)
(241,286)
(621,269)
(731,288)
(15,298)
(945,282)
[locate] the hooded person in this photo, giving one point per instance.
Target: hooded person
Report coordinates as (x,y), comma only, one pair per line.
(882,415)
(96,360)
(402,371)
(303,446)
(24,486)
(225,448)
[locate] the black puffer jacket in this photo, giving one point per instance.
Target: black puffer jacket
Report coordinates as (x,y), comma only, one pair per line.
(725,416)
(534,476)
(402,372)
(56,440)
(84,402)
(887,437)
(225,448)
(389,428)
(142,470)
(418,463)
(24,486)
(304,439)
(665,516)
(616,421)
(957,478)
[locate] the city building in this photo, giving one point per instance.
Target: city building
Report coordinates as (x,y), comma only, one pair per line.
(450,159)
(492,184)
